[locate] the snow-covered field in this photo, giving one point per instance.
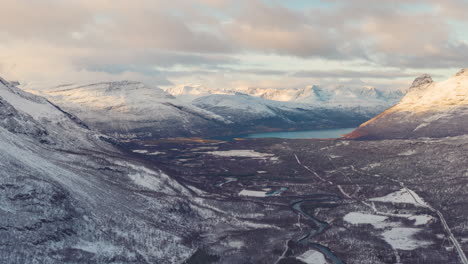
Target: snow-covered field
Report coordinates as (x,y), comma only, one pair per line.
(393,232)
(403,238)
(402,196)
(252,193)
(242,153)
(312,257)
(358,218)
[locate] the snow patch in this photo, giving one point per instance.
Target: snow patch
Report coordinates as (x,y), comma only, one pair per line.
(98,247)
(403,238)
(421,219)
(356,218)
(402,196)
(252,193)
(156,153)
(243,153)
(407,153)
(141,151)
(236,244)
(312,257)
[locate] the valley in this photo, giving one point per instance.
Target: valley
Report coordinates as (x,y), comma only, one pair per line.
(324,197)
(247,200)
(234,132)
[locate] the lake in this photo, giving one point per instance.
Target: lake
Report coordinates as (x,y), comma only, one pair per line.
(307,134)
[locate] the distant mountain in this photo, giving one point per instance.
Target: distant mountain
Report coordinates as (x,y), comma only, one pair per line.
(189,92)
(68,196)
(255,114)
(330,96)
(429,109)
(128,109)
(132,109)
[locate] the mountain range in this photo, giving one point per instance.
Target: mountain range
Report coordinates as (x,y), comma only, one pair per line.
(331,96)
(128,109)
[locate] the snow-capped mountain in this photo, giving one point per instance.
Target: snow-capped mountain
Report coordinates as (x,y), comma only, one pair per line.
(131,109)
(67,196)
(189,92)
(429,109)
(311,107)
(330,96)
(252,114)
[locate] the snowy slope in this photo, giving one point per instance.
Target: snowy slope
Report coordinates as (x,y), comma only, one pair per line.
(429,109)
(69,197)
(131,109)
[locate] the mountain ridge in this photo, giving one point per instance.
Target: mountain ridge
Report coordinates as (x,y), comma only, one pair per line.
(68,196)
(429,109)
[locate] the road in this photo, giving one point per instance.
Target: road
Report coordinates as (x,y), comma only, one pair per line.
(449,233)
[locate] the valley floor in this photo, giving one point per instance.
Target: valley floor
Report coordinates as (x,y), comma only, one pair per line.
(323,201)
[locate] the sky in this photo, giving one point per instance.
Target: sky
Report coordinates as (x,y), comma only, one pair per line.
(233,43)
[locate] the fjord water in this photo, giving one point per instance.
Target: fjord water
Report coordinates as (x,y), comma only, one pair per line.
(306,134)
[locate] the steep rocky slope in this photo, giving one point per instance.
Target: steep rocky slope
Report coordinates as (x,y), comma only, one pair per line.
(68,196)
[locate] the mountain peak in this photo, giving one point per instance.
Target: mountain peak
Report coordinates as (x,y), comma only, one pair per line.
(462,72)
(421,80)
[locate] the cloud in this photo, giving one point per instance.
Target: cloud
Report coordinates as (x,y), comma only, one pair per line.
(354,74)
(110,61)
(161,41)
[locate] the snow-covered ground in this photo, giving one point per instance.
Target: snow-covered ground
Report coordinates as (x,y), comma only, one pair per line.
(243,153)
(402,196)
(358,218)
(403,238)
(398,236)
(252,193)
(312,257)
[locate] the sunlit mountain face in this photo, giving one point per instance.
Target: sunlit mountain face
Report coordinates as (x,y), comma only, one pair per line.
(211,131)
(429,109)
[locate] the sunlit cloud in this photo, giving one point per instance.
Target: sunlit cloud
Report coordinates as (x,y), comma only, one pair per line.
(215,41)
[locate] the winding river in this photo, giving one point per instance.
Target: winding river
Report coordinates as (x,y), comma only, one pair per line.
(312,203)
